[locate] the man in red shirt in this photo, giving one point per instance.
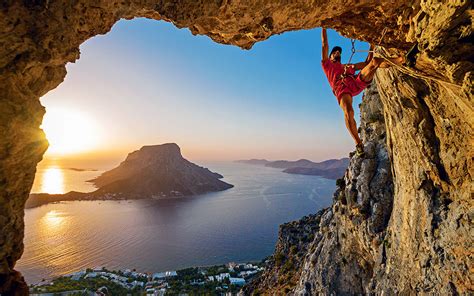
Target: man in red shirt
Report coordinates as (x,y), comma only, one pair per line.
(345,83)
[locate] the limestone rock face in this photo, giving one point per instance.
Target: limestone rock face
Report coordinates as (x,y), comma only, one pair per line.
(350,245)
(283,269)
(428,115)
(349,237)
(383,235)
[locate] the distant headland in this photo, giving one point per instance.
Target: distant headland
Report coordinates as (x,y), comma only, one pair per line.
(329,169)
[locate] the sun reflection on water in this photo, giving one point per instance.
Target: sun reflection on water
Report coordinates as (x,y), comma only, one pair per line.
(58,247)
(52,220)
(52,181)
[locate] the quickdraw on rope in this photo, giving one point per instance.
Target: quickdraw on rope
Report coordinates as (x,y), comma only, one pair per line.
(383,34)
(353,51)
(378,44)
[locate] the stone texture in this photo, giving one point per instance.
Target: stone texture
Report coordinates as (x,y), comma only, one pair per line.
(284,267)
(427,243)
(349,246)
(383,234)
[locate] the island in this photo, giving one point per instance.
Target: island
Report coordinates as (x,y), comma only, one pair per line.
(156,172)
(329,169)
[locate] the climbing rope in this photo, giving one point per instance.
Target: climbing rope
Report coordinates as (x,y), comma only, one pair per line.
(383,34)
(405,70)
(413,72)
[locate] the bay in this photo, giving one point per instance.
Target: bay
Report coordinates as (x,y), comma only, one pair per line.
(239,224)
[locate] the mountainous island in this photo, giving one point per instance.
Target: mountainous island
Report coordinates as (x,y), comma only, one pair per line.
(330,169)
(158,171)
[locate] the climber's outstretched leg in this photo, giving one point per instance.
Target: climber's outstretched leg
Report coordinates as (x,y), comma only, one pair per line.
(346,105)
(367,73)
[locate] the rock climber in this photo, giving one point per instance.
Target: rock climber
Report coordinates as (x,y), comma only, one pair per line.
(345,83)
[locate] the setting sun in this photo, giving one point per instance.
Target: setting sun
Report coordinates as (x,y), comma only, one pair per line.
(69,131)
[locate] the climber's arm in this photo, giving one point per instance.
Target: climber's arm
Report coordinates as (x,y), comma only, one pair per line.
(324,39)
(360,66)
(371,54)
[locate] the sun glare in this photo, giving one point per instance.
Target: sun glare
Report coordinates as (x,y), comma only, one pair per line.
(52,181)
(69,131)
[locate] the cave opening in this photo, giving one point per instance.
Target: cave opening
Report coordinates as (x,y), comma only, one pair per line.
(42,36)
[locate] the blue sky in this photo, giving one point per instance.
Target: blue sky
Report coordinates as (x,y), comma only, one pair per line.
(147,82)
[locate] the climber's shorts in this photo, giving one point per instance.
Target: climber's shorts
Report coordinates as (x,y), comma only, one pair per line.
(350,85)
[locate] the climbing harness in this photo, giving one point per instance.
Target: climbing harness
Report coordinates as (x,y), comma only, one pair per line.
(353,51)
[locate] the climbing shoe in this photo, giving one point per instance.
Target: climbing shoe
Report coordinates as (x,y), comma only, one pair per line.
(360,150)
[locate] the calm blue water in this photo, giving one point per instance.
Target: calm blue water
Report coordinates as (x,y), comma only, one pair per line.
(240,224)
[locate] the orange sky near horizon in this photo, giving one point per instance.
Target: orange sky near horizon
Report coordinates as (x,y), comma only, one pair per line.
(75,136)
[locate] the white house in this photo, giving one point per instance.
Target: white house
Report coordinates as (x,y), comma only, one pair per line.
(237,281)
(222,276)
(166,274)
(249,266)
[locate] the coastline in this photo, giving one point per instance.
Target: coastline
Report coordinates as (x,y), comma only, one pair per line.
(225,278)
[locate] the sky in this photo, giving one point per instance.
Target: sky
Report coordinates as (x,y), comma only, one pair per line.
(147,82)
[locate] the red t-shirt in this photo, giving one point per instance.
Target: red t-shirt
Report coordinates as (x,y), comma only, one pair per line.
(350,84)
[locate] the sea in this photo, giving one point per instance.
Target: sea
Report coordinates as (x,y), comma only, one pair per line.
(236,225)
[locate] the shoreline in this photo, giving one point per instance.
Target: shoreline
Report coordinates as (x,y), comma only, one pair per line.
(40,199)
(229,277)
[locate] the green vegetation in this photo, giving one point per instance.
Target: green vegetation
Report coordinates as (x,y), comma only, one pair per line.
(279,258)
(293,250)
(90,284)
(216,269)
(207,288)
(288,266)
